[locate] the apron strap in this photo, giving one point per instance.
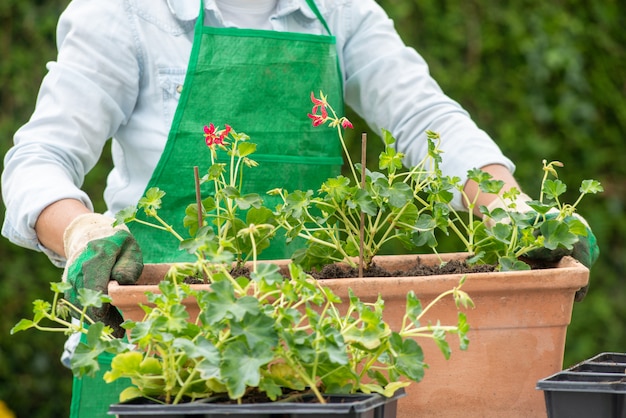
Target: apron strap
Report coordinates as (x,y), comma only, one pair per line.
(313,7)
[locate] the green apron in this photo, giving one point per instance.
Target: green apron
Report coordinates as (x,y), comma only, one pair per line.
(259,82)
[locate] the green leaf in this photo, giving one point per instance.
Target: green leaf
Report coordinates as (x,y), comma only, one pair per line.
(60,287)
(129,393)
(125,215)
(557,234)
(270,387)
(221,304)
(85,358)
(591,186)
(22,325)
(408,214)
(284,375)
(434,152)
(90,298)
(425,225)
(390,160)
(502,232)
(259,216)
(204,240)
(230,192)
(365,203)
(439,192)
(190,221)
(241,367)
(478,175)
(370,334)
(331,346)
(388,138)
(209,368)
(124,365)
(215,172)
(463,328)
(554,188)
(41,309)
(424,238)
(491,186)
(175,319)
(337,188)
(198,348)
(539,207)
(249,200)
(296,203)
(400,194)
(245,148)
(409,357)
(257,329)
(268,273)
(315,255)
(576,226)
(439,336)
(151,202)
(413,308)
(510,263)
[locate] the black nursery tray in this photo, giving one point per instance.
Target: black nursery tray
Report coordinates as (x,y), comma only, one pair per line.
(593,388)
(346,406)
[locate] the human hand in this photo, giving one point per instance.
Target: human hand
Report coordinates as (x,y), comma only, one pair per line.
(96,253)
(585,249)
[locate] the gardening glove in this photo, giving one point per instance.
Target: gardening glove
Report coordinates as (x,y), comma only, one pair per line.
(585,250)
(96,253)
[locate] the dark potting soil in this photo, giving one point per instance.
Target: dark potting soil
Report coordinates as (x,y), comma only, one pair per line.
(335,271)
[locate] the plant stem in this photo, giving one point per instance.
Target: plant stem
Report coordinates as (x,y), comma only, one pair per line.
(183,389)
(198,195)
(362,222)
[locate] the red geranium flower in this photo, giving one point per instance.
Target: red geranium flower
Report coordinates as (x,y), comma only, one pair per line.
(318,105)
(213,136)
(319,119)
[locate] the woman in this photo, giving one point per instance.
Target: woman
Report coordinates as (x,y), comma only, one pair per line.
(149,75)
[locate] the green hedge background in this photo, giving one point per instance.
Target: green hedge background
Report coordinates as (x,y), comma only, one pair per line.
(546,79)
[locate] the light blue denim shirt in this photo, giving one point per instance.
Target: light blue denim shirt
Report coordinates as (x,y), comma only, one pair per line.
(118,74)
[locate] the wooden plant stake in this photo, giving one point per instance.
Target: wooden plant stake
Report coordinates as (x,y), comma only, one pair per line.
(362,226)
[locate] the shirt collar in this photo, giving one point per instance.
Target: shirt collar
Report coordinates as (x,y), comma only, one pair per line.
(188,10)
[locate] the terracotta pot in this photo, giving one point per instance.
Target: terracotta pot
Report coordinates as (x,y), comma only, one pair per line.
(517,335)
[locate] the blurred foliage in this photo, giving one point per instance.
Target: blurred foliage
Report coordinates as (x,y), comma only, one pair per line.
(547,84)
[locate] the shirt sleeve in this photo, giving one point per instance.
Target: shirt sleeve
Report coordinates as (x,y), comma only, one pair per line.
(86,95)
(390,86)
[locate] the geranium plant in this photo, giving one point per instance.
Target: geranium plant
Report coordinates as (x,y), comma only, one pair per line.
(354,217)
(281,337)
(221,222)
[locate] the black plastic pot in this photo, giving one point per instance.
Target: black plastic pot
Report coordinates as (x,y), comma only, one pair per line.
(593,388)
(345,406)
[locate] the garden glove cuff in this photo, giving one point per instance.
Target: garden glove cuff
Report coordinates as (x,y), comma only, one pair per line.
(96,253)
(585,250)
